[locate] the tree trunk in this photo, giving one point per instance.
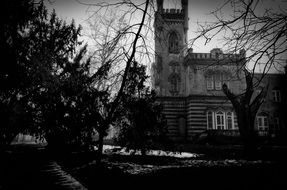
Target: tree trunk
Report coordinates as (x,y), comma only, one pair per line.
(100,147)
(246,109)
(247,133)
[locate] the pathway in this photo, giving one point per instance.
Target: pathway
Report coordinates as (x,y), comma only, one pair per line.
(31,168)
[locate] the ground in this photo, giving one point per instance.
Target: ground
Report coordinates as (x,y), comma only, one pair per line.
(215,167)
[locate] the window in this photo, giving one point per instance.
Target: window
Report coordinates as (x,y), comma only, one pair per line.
(229,120)
(174,67)
(209,83)
(262,123)
(209,120)
(218,82)
(220,120)
(174,84)
(215,81)
(276,95)
(219,116)
(173,43)
(225,80)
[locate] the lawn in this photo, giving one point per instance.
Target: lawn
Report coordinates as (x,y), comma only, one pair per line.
(202,166)
(216,166)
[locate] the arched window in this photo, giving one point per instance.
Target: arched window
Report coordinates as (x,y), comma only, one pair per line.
(174,84)
(219,116)
(220,120)
(173,43)
(174,80)
(174,67)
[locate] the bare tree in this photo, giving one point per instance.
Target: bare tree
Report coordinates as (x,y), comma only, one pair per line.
(262,33)
(246,107)
(107,47)
(250,26)
(117,48)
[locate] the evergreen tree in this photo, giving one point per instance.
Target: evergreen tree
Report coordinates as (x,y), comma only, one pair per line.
(142,124)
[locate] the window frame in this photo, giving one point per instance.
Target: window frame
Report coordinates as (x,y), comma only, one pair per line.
(276,95)
(217,82)
(211,118)
(174,84)
(261,121)
(222,118)
(210,82)
(173,42)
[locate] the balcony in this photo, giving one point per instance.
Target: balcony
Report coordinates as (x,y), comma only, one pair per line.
(225,132)
(235,132)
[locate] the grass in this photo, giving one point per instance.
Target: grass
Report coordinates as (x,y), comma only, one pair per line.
(221,166)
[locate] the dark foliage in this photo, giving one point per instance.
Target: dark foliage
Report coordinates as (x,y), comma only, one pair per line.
(15,75)
(46,89)
(142,123)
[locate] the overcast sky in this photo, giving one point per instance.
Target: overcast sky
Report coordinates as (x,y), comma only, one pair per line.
(199,11)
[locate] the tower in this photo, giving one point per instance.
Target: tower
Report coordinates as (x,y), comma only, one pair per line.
(189,84)
(171,26)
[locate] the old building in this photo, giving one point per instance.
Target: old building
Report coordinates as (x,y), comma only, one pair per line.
(271,117)
(189,84)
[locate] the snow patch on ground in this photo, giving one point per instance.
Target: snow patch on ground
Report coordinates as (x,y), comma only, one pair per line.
(133,168)
(109,149)
(136,168)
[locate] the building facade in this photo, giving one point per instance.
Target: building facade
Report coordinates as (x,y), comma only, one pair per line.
(189,84)
(271,117)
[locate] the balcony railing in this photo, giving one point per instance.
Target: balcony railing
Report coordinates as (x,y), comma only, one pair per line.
(235,132)
(224,132)
(262,133)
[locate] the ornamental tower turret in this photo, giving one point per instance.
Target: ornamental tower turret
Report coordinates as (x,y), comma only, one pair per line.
(171,26)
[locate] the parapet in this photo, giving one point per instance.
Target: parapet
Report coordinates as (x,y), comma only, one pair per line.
(215,53)
(173,14)
(172,11)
